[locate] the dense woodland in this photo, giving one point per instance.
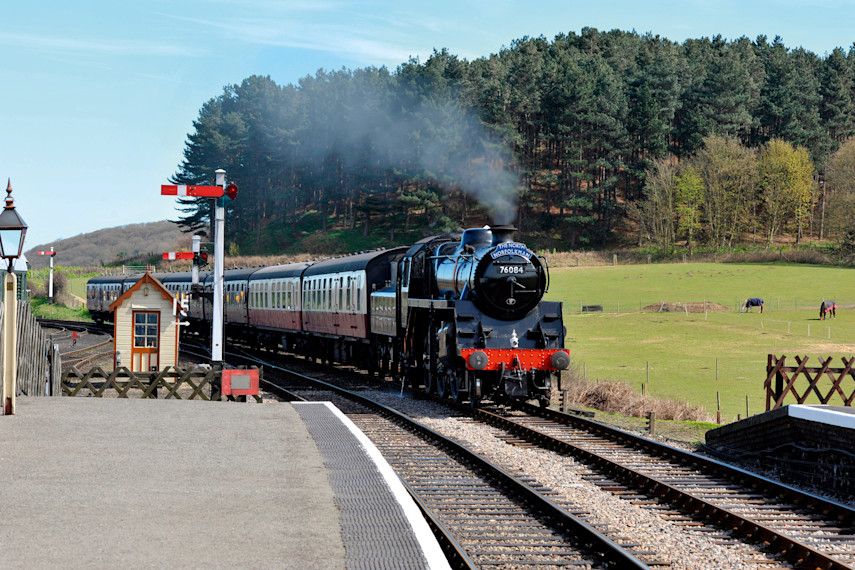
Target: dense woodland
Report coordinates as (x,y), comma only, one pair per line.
(580,140)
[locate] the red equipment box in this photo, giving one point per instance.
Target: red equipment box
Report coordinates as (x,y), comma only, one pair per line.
(240,382)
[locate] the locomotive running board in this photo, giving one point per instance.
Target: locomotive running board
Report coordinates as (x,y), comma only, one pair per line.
(429,303)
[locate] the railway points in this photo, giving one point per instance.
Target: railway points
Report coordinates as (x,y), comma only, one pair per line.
(91,482)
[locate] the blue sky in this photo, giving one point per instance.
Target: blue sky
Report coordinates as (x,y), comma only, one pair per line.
(98,96)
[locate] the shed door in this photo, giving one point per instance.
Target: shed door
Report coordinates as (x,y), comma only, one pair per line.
(145,353)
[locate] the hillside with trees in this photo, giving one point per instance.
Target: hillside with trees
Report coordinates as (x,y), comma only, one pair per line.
(131,245)
(584,141)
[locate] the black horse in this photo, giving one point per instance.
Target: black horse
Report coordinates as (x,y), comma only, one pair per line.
(828,309)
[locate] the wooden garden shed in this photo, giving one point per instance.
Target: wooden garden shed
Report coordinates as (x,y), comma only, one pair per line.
(145,334)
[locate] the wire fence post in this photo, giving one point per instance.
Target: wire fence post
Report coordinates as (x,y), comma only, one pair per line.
(718,408)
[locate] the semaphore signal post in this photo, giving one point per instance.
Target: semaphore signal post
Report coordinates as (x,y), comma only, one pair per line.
(217,193)
(52,254)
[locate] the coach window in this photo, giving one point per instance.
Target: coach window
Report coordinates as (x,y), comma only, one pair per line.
(347,295)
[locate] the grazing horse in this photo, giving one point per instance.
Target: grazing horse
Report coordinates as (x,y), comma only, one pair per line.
(752,302)
(828,309)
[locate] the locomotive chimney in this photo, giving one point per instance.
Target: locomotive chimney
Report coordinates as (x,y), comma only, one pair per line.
(502,234)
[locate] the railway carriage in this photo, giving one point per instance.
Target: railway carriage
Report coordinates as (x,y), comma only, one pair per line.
(275,306)
(335,304)
(236,288)
(200,304)
(103,290)
(178,284)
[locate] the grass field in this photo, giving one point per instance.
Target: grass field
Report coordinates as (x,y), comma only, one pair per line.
(693,357)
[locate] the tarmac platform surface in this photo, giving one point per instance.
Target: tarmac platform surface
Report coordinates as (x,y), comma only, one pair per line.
(92,482)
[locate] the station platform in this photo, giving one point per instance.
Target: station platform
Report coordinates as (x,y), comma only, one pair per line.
(96,482)
(810,443)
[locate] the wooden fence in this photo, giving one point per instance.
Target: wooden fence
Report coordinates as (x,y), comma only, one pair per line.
(38,358)
(171,382)
(785,378)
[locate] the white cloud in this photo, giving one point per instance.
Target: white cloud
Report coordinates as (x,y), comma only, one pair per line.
(121,47)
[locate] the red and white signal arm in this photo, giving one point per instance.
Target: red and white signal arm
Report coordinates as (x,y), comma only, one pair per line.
(173,255)
(197,191)
(240,382)
(50,253)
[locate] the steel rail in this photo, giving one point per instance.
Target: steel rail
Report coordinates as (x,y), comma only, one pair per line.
(800,554)
(572,525)
(758,483)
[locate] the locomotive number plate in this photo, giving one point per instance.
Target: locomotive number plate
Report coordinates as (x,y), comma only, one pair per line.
(510,269)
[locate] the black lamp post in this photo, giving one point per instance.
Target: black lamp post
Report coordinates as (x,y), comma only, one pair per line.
(13,229)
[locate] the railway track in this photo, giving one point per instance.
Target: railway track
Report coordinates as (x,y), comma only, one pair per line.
(488,517)
(86,354)
(789,524)
(802,528)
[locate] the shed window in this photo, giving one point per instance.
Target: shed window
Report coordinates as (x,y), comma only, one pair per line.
(145,329)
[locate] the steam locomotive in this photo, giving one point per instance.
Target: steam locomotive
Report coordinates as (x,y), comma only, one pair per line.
(460,315)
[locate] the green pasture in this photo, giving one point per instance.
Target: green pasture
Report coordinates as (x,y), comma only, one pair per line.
(693,357)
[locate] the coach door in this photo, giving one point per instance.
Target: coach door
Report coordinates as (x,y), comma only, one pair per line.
(145,353)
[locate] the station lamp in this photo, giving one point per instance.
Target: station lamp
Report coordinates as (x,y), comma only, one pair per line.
(13,230)
(12,233)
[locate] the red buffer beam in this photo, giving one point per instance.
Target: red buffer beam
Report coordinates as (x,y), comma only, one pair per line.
(198,191)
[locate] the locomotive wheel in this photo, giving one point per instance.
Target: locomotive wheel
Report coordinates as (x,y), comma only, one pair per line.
(454,385)
(428,374)
(474,391)
(427,377)
(442,382)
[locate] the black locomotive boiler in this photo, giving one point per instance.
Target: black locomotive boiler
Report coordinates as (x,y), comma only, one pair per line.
(460,315)
(474,321)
